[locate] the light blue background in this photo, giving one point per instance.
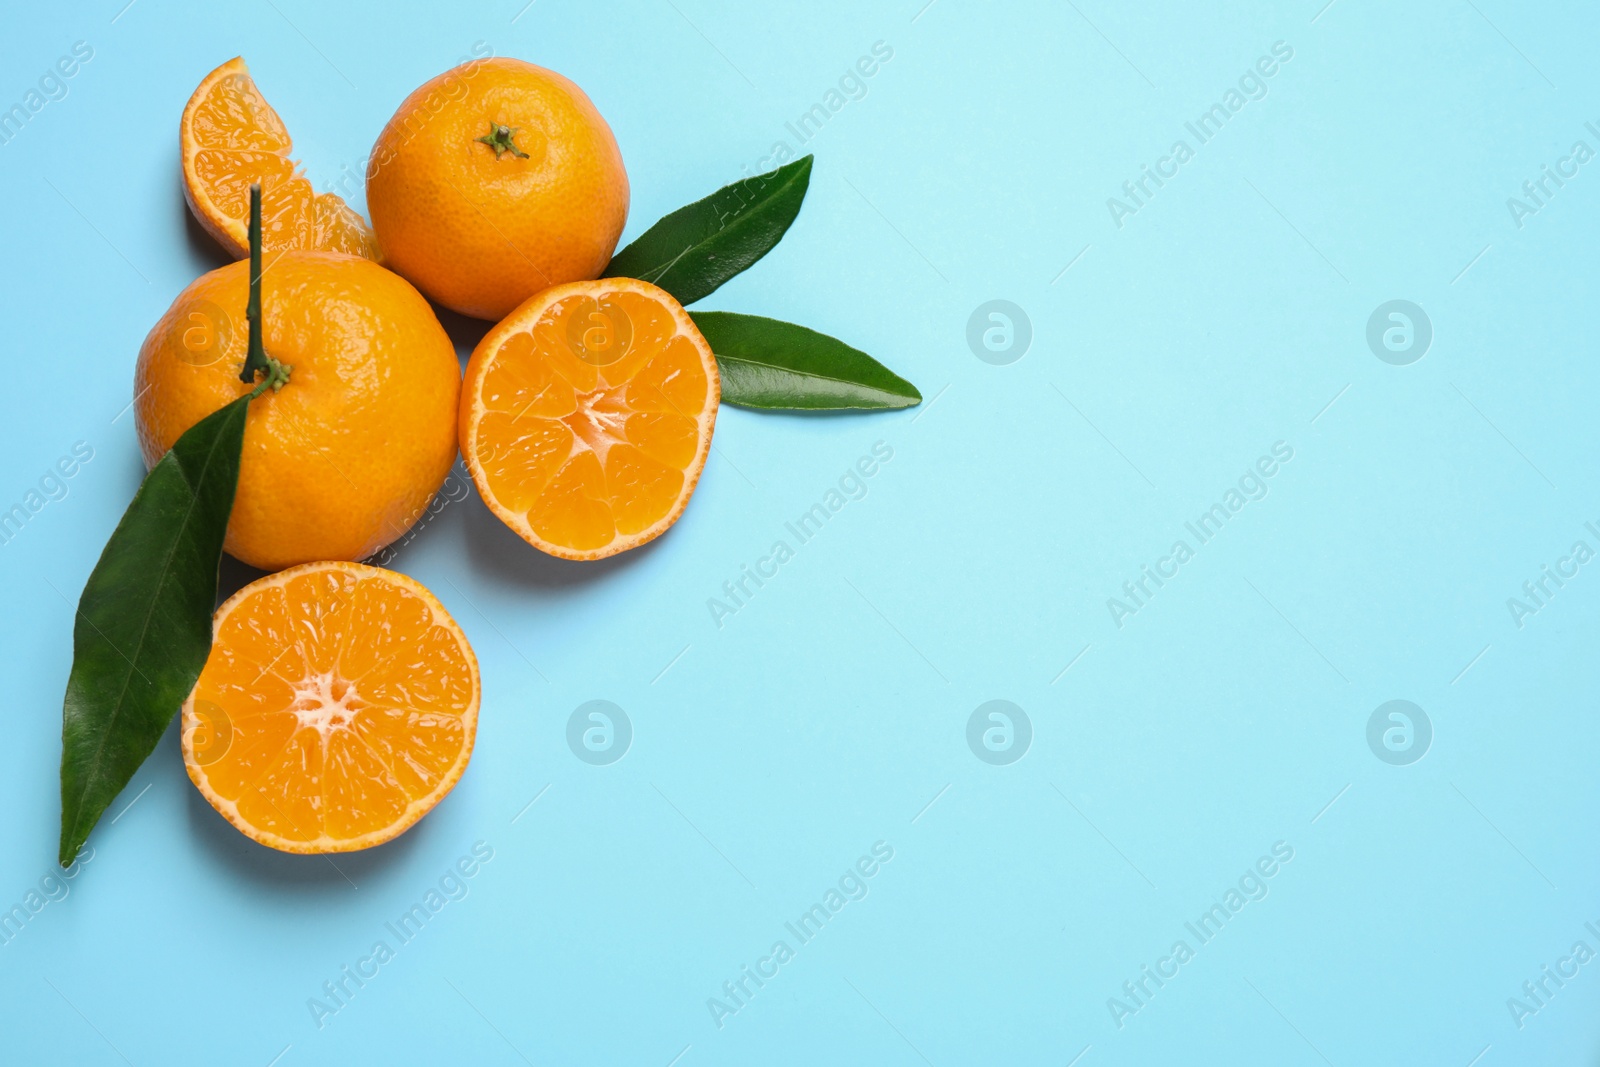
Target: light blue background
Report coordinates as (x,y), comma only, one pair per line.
(830,713)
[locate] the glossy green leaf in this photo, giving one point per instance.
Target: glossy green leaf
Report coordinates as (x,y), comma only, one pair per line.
(777,365)
(143,629)
(692,251)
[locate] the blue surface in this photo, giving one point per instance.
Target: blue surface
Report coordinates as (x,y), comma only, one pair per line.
(1224,720)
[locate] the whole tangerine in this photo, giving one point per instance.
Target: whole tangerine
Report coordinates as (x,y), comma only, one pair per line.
(494,181)
(346,456)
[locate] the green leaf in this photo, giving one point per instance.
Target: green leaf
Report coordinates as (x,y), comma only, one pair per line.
(143,628)
(692,251)
(777,365)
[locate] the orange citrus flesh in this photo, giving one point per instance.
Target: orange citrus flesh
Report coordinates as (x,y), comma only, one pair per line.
(586,416)
(231,137)
(338,706)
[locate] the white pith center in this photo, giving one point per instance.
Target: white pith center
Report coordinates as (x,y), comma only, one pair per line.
(598,422)
(325,703)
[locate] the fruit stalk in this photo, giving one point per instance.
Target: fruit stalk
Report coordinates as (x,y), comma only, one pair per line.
(256,358)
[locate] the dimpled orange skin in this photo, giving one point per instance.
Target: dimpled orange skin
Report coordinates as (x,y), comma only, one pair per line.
(481,234)
(348,454)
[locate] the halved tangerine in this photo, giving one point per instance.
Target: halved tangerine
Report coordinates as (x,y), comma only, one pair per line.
(586,416)
(231,137)
(338,706)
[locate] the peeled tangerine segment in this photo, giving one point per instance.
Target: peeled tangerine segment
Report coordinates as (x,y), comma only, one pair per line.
(228,175)
(521,456)
(277,801)
(556,342)
(232,138)
(642,489)
(572,509)
(397,657)
(673,382)
(345,700)
(521,385)
(650,323)
(337,228)
(315,602)
(235,115)
(255,749)
(668,439)
(286,198)
(413,745)
(360,789)
(258,650)
(244,686)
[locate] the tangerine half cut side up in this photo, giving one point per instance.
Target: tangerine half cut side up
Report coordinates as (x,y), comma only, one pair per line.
(586,416)
(338,706)
(231,137)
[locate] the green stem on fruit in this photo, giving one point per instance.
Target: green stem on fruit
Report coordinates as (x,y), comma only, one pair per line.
(499,138)
(256,359)
(277,377)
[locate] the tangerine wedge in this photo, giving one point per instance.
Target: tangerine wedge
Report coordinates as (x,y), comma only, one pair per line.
(586,416)
(231,137)
(338,706)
